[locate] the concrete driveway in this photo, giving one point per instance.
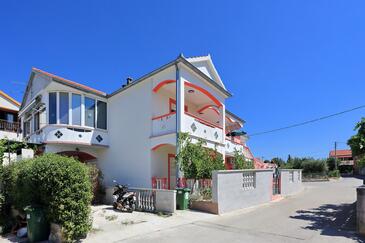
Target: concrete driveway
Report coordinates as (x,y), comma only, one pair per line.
(323,212)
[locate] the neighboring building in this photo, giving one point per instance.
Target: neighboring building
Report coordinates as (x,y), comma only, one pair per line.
(131,133)
(260,164)
(344,156)
(9,126)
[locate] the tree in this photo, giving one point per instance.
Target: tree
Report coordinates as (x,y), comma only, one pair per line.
(196,161)
(331,164)
(240,162)
(357,141)
(289,160)
(278,161)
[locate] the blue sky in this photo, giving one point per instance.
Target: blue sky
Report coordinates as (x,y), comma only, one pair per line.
(284,61)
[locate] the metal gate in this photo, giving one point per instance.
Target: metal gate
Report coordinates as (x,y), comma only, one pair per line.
(276,183)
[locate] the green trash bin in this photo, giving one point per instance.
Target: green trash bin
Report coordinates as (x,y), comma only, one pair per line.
(37,225)
(182,198)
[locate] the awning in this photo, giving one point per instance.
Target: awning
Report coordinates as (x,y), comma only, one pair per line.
(236,133)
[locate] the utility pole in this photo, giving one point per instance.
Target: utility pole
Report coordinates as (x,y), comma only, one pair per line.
(335,155)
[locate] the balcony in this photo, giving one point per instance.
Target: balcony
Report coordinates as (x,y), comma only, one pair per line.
(194,125)
(164,124)
(65,134)
(9,126)
(231,145)
(9,130)
(201,128)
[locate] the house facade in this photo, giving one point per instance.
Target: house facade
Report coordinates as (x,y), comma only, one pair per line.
(131,134)
(9,125)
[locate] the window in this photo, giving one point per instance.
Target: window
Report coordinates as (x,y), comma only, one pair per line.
(76,109)
(248,180)
(9,117)
(89,112)
(64,108)
(52,106)
(26,127)
(101,116)
(291,176)
(36,122)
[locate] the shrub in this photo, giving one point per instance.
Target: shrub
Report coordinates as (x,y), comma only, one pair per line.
(334,173)
(60,184)
(314,166)
(361,162)
(95,178)
(240,162)
(7,180)
(331,164)
(197,162)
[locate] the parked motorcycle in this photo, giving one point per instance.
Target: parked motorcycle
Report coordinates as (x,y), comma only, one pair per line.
(124,200)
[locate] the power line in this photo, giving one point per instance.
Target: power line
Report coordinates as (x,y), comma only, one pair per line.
(306,122)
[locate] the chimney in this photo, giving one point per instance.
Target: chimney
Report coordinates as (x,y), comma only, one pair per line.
(129,80)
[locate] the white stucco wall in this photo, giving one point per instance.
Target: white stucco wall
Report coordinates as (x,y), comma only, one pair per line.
(129,122)
(7,104)
(159,160)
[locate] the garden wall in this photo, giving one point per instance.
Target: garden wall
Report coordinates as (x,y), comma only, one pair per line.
(152,200)
(237,189)
(291,181)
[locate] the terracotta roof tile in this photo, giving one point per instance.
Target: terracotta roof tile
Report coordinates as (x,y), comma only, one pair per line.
(341,153)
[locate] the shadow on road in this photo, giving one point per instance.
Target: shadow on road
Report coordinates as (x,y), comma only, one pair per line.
(332,220)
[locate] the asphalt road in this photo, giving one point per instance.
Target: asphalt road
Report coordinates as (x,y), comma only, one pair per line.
(323,212)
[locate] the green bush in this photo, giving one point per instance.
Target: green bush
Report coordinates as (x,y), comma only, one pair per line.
(60,184)
(95,178)
(314,166)
(331,164)
(334,173)
(240,162)
(196,161)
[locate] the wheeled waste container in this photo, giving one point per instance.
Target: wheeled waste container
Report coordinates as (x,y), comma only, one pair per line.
(37,225)
(182,198)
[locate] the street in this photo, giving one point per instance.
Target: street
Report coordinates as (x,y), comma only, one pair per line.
(323,212)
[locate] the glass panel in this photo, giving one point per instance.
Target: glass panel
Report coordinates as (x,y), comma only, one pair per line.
(101,115)
(64,108)
(26,126)
(10,117)
(89,112)
(76,109)
(36,121)
(52,106)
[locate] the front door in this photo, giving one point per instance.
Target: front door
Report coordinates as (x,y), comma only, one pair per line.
(171,171)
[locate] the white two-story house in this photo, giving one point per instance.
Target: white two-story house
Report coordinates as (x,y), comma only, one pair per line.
(9,126)
(131,134)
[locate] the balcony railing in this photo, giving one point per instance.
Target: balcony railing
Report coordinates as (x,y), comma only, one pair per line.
(9,126)
(203,129)
(193,124)
(194,185)
(67,134)
(164,124)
